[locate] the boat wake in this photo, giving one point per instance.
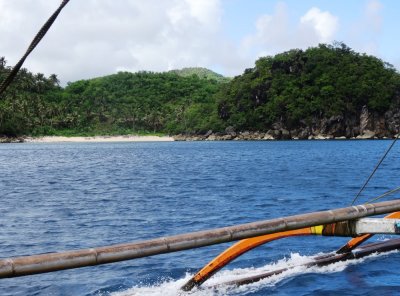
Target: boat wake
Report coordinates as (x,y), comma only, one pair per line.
(215,285)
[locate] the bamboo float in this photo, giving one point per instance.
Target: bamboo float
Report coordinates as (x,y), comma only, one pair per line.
(26,265)
(366,227)
(377,247)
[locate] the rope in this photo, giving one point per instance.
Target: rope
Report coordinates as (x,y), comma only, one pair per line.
(31,47)
(383,195)
(376,168)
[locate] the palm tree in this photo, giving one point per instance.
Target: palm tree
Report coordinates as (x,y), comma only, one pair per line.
(3,62)
(54,79)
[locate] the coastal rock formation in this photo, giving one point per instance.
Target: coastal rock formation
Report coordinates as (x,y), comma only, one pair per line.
(11,140)
(365,125)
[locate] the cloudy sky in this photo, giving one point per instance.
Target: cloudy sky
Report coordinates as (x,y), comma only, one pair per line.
(99,37)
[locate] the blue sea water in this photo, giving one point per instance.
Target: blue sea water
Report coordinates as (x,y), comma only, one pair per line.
(64,196)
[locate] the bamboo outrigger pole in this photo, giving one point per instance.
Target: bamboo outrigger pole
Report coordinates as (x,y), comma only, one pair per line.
(360,229)
(26,265)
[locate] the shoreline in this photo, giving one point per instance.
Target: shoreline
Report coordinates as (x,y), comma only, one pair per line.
(275,136)
(180,138)
(98,139)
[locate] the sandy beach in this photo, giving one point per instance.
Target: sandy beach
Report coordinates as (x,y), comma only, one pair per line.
(97,139)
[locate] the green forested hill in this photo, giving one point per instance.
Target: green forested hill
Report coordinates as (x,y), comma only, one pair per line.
(297,86)
(294,89)
(144,101)
(31,103)
(115,104)
(201,73)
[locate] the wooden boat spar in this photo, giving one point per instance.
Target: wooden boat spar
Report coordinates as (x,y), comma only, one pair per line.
(348,222)
(361,230)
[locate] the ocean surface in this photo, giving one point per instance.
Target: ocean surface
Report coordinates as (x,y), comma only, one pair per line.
(58,197)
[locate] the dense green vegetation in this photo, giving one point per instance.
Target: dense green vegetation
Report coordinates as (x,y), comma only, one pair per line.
(296,86)
(116,104)
(291,88)
(201,73)
(143,101)
(31,104)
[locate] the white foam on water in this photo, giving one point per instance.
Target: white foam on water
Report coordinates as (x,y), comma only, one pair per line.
(214,286)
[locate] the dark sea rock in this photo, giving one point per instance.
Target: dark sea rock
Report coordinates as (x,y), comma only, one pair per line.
(208,133)
(364,125)
(11,139)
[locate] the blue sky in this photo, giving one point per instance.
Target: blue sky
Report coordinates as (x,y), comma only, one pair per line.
(99,37)
(356,25)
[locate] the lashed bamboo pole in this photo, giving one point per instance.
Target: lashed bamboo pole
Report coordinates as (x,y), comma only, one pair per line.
(26,265)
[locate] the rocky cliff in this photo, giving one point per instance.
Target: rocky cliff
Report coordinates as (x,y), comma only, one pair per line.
(365,125)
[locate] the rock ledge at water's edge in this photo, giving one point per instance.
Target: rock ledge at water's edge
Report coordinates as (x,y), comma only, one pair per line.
(11,140)
(366,125)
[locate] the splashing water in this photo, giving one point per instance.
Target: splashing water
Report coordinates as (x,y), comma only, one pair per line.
(215,285)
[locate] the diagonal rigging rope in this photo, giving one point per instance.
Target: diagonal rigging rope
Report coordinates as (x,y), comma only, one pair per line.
(6,82)
(376,167)
(383,195)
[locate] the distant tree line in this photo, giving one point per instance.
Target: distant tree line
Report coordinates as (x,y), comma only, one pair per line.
(30,104)
(292,88)
(116,104)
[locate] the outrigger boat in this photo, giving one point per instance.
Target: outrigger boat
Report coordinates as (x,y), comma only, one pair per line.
(362,230)
(347,222)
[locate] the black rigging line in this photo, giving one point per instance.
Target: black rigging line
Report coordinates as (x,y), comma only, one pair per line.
(376,167)
(384,194)
(31,47)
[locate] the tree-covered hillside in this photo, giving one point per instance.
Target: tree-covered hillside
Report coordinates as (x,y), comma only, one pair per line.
(116,104)
(324,89)
(143,101)
(297,86)
(201,73)
(32,102)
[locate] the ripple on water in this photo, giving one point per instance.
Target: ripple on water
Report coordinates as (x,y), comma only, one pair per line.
(70,196)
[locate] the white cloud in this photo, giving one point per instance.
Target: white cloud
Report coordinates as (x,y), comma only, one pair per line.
(277,32)
(208,12)
(324,24)
(92,38)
